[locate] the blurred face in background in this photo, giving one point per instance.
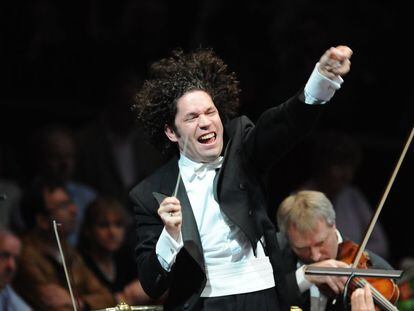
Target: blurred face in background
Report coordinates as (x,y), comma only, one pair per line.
(61,208)
(109,231)
(9,254)
(60,156)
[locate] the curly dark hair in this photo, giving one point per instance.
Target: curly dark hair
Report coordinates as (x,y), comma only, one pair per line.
(170,78)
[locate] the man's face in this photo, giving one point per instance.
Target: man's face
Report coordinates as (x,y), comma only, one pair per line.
(314,246)
(197,120)
(61,208)
(9,255)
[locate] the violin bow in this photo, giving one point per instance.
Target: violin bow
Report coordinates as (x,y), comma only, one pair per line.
(381,204)
(72,297)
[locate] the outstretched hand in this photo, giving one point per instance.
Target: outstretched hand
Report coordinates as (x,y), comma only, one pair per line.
(335,61)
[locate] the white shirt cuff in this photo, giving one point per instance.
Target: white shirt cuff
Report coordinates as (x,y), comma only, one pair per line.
(167,249)
(320,89)
(303,283)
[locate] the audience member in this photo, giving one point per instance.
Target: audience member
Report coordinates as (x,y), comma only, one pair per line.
(102,235)
(309,237)
(40,279)
(56,159)
(10,249)
(335,160)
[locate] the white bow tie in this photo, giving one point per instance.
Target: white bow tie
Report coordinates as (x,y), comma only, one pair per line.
(201,170)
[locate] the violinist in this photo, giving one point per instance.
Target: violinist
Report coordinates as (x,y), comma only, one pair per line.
(309,237)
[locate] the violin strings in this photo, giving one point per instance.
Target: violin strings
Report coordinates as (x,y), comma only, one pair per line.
(378,297)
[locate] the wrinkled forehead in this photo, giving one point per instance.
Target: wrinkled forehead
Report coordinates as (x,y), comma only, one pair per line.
(304,238)
(10,244)
(194,101)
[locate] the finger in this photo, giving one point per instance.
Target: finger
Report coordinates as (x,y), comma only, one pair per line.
(333,285)
(368,297)
(357,299)
(340,53)
(170,200)
(173,221)
(345,50)
(343,68)
(168,206)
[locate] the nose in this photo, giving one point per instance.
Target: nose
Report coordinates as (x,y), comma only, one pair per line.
(203,121)
(73,208)
(113,229)
(11,263)
(315,254)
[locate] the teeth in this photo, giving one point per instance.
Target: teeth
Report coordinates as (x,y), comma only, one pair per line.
(208,136)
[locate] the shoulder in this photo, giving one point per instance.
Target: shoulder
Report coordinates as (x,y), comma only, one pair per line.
(236,125)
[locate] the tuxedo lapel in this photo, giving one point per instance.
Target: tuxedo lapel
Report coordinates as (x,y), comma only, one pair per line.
(189,230)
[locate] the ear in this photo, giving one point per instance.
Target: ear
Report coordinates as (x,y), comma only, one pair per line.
(170,133)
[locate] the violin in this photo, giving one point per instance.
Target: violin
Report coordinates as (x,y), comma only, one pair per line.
(384,291)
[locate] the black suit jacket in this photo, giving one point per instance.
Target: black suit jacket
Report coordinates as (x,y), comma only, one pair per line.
(294,296)
(249,152)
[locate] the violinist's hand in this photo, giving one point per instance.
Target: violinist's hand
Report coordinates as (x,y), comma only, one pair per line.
(361,299)
(335,62)
(170,213)
(333,283)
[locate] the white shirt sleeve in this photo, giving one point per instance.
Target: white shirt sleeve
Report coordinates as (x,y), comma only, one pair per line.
(303,283)
(320,89)
(167,249)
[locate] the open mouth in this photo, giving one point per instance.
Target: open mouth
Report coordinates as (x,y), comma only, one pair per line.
(207,138)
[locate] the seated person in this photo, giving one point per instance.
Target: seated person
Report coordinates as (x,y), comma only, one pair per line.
(56,157)
(309,236)
(40,279)
(10,248)
(102,236)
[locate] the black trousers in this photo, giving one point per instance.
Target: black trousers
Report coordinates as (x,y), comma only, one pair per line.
(264,300)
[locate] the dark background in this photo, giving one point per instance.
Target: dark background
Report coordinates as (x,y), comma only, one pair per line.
(59,61)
